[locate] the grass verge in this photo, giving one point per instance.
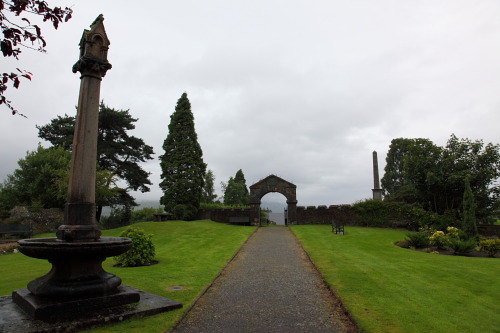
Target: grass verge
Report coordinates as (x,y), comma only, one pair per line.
(190,254)
(390,289)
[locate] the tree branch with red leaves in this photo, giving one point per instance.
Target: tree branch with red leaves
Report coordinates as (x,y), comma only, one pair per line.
(18,31)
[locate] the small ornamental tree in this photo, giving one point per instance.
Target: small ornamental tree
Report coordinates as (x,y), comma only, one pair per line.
(183,169)
(469,211)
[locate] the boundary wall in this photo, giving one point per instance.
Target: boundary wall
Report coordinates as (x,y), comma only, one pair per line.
(325,215)
(305,215)
(223,214)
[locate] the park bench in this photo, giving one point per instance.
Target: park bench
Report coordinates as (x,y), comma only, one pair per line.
(239,219)
(337,227)
(15,229)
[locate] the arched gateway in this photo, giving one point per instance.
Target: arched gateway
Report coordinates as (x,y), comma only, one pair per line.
(274,183)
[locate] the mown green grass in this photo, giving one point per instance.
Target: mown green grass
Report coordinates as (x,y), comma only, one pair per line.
(390,289)
(190,254)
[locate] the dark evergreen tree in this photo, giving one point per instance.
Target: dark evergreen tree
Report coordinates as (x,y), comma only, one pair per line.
(208,194)
(183,169)
(240,179)
(236,191)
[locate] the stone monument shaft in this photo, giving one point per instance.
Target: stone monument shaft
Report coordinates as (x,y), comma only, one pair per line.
(79,217)
(376,180)
(377,191)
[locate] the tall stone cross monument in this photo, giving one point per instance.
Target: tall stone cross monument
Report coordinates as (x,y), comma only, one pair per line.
(77,282)
(77,292)
(79,217)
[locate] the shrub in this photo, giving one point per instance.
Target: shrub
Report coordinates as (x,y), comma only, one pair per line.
(417,239)
(490,246)
(185,212)
(439,240)
(405,244)
(145,214)
(461,246)
(453,232)
(142,251)
(378,213)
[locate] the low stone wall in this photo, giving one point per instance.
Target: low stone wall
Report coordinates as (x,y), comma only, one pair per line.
(325,215)
(41,220)
(223,214)
(488,230)
(305,215)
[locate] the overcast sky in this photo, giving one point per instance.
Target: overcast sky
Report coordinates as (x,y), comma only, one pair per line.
(305,90)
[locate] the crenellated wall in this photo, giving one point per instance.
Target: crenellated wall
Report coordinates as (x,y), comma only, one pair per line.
(223,214)
(305,215)
(324,214)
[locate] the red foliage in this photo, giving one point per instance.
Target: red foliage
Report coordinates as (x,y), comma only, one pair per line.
(16,33)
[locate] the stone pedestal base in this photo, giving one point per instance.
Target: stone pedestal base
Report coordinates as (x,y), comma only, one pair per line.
(55,309)
(14,320)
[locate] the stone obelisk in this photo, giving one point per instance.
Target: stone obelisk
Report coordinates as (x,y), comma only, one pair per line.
(377,191)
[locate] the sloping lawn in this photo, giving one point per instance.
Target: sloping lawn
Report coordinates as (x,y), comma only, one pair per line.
(390,289)
(190,254)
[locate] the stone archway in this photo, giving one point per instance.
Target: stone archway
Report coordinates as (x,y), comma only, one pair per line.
(274,183)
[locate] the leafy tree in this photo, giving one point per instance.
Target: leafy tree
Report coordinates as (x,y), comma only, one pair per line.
(183,169)
(208,193)
(236,191)
(117,151)
(407,165)
(469,211)
(37,180)
(42,180)
(419,172)
(17,30)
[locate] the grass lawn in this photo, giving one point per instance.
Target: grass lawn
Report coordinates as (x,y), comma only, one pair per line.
(390,289)
(190,254)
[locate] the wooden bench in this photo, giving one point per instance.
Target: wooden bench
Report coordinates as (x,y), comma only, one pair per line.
(15,229)
(239,219)
(337,227)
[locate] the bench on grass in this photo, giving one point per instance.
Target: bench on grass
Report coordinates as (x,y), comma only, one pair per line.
(337,227)
(239,219)
(15,229)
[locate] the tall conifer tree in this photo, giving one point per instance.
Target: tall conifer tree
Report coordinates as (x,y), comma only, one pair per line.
(183,169)
(236,191)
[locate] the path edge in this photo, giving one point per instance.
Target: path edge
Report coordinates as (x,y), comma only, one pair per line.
(333,293)
(193,303)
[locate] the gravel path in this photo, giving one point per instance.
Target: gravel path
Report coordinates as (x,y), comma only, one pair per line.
(270,286)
